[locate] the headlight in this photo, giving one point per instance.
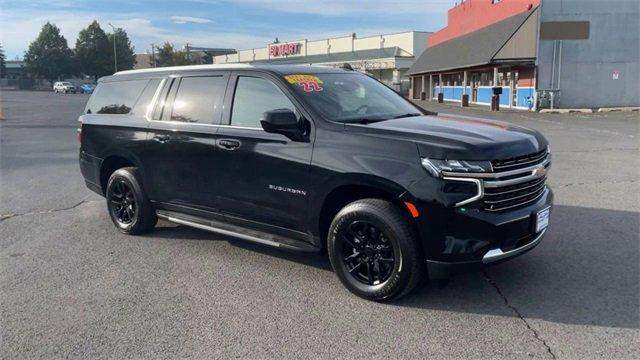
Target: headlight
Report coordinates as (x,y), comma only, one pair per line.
(436,167)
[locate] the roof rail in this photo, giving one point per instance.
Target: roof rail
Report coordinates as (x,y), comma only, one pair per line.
(187,67)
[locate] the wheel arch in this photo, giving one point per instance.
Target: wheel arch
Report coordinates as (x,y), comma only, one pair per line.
(109,165)
(347,191)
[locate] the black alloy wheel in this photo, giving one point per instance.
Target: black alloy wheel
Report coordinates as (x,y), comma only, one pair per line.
(374,249)
(124,206)
(129,207)
(367,253)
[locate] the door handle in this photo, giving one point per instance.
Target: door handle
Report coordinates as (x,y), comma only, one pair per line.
(228,144)
(162,138)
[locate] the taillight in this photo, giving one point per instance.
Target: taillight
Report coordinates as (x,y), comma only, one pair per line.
(79,130)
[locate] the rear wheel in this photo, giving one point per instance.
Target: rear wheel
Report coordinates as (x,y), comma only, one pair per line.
(374,250)
(129,208)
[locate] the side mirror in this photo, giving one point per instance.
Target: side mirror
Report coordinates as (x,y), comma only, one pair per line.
(281,121)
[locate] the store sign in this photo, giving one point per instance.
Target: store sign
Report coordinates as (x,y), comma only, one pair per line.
(277,50)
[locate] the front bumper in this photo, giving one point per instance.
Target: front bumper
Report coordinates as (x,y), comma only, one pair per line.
(458,239)
(444,270)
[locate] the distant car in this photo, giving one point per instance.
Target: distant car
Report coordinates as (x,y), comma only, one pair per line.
(87,88)
(64,87)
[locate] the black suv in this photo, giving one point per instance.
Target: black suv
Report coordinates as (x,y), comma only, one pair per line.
(313,159)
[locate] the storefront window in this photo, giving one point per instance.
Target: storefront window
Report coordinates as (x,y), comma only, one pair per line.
(486,78)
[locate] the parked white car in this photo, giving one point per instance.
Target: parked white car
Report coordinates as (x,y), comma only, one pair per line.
(64,87)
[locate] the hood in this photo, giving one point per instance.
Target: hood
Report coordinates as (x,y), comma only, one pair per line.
(457,137)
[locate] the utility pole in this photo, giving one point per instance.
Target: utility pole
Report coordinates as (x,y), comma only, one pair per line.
(115,54)
(153,55)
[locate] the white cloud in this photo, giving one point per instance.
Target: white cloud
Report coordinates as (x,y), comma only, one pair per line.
(190,19)
(20,27)
(353,7)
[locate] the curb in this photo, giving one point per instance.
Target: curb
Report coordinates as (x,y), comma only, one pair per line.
(565,111)
(626,109)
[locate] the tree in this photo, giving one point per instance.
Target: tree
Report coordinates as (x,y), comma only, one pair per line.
(168,56)
(94,52)
(125,52)
(3,64)
(49,56)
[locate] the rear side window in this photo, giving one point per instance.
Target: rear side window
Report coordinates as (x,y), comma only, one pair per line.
(116,97)
(144,102)
(253,97)
(198,98)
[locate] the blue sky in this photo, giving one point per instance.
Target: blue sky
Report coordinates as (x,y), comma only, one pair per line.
(239,24)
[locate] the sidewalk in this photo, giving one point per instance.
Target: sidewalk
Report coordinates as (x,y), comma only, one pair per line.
(507,114)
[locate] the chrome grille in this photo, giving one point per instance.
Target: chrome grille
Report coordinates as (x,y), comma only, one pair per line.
(502,198)
(514,182)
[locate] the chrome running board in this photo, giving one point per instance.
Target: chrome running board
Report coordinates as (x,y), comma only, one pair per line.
(254,236)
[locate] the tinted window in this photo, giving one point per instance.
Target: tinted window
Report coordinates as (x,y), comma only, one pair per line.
(115,97)
(253,97)
(350,97)
(198,99)
(143,103)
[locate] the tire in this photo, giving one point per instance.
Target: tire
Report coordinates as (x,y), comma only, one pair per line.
(128,205)
(354,248)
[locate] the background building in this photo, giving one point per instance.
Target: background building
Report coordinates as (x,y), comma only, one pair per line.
(386,57)
(196,55)
(589,52)
(14,69)
(554,53)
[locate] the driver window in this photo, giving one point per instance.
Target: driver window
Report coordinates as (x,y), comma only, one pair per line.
(353,96)
(253,97)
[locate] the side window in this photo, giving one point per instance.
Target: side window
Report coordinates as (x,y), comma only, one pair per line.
(198,99)
(117,97)
(144,101)
(253,97)
(162,99)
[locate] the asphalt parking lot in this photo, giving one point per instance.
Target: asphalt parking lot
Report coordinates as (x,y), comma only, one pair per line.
(72,286)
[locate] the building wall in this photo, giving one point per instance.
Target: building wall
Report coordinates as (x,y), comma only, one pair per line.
(584,70)
(518,93)
(471,15)
(413,43)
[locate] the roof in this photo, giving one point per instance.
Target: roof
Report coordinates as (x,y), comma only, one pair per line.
(369,54)
(473,49)
(277,69)
(14,64)
(183,68)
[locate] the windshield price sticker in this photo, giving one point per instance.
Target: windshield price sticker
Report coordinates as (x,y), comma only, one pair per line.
(309,83)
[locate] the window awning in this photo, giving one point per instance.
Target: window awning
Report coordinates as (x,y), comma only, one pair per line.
(511,39)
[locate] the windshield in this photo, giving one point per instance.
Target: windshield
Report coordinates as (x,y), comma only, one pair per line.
(351,97)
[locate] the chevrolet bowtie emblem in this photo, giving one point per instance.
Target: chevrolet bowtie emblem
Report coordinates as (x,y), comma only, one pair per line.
(539,172)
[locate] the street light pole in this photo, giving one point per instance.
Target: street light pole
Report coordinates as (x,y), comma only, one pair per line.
(153,55)
(115,54)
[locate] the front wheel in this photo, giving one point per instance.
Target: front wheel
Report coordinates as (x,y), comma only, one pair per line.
(374,250)
(128,205)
